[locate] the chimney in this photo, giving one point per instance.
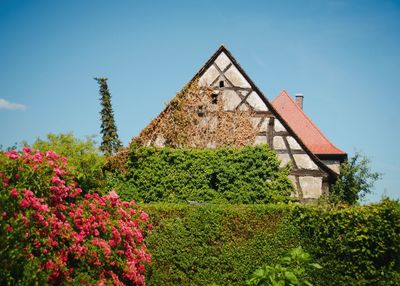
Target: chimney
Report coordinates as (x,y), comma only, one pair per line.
(299,100)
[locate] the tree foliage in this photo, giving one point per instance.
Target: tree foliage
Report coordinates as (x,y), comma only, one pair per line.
(110,143)
(356,180)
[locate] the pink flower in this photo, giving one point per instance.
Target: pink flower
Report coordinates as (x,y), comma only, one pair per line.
(49,265)
(14,193)
(9,228)
(24,203)
(28,193)
(38,158)
(13,155)
(44,208)
(55,180)
(150,226)
(144,216)
(26,150)
(51,155)
(113,195)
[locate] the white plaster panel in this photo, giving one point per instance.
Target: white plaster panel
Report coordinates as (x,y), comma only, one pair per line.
(255,121)
(293,143)
(213,123)
(231,100)
(236,78)
(304,161)
(243,107)
(209,76)
(264,125)
(285,159)
(278,143)
(222,61)
(311,187)
(334,165)
(160,141)
(212,145)
(256,102)
(261,140)
(293,180)
(278,126)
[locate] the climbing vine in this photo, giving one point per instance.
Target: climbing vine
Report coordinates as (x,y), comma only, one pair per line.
(196,117)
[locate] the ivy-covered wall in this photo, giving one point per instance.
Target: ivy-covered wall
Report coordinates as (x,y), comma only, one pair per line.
(224,244)
(222,175)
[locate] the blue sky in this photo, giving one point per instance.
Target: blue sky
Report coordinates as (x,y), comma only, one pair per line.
(343,55)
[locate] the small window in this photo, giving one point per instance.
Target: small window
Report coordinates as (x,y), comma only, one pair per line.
(200,111)
(214,98)
(221,83)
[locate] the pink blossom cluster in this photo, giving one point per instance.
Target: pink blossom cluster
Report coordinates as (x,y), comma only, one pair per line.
(66,232)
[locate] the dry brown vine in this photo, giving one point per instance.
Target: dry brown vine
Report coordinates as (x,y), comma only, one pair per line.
(195,117)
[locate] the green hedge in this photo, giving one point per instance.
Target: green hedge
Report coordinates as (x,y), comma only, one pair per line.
(356,245)
(224,244)
(245,175)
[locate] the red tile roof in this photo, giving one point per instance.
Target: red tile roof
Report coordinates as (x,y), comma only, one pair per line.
(304,128)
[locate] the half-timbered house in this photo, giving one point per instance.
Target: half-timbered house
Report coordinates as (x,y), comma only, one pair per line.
(281,124)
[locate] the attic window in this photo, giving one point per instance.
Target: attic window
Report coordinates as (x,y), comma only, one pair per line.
(214,98)
(200,111)
(221,83)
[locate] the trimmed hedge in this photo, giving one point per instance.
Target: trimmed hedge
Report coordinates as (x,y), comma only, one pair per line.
(224,244)
(235,175)
(356,245)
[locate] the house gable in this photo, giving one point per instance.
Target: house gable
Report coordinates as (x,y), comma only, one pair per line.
(227,79)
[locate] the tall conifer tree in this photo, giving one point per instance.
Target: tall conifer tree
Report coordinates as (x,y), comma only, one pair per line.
(111,142)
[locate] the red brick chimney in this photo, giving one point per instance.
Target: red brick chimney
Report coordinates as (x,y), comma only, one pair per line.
(299,100)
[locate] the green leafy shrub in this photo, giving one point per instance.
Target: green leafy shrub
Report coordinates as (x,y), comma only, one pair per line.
(291,270)
(235,175)
(360,243)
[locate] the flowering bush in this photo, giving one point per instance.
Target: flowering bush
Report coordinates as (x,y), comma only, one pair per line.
(50,233)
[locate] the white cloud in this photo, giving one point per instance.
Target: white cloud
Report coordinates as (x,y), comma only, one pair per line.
(4,104)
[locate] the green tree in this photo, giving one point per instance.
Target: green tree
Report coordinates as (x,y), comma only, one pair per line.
(83,155)
(356,180)
(111,142)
